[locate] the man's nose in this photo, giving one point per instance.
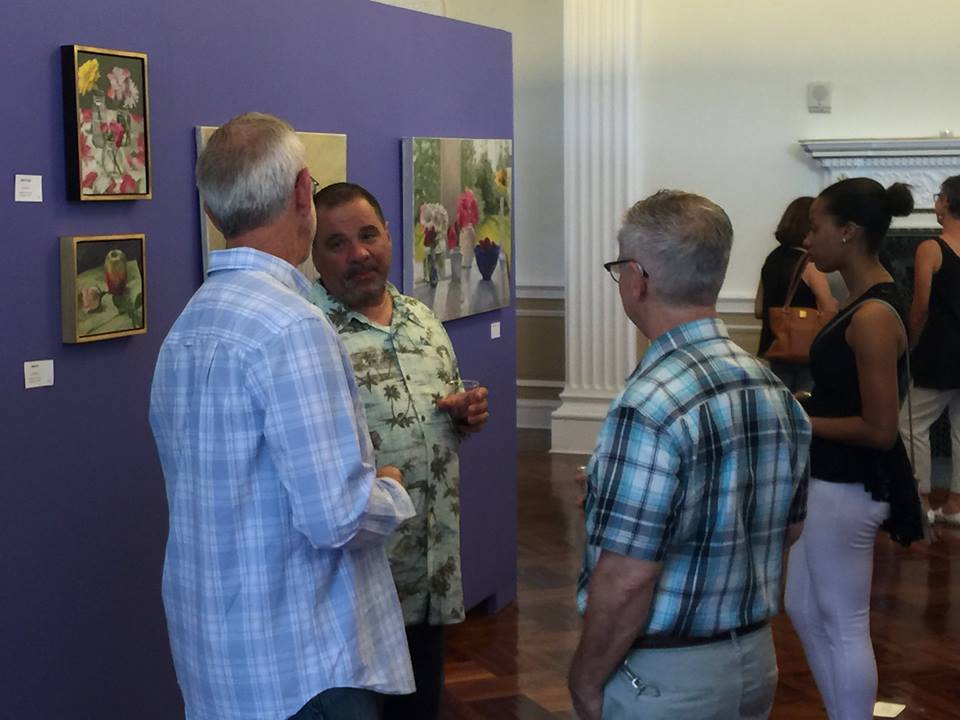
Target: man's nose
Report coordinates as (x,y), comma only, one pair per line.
(358,250)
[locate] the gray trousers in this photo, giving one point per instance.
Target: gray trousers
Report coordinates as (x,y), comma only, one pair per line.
(725,680)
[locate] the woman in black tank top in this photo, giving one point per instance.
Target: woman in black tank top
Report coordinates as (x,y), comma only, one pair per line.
(860,473)
(935,333)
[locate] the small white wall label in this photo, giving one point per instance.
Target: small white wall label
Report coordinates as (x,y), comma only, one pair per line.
(28,188)
(37,373)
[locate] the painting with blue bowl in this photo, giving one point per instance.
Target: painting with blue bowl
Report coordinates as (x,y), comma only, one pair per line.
(457,222)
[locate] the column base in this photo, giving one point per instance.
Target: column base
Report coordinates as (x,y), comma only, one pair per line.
(576,423)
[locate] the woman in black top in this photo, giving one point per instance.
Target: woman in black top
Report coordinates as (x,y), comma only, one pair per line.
(935,334)
(860,473)
(778,269)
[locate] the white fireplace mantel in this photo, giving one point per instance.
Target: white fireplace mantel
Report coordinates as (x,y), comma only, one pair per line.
(924,163)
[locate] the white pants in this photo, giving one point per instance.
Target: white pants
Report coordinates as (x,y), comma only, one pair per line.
(829,576)
(927,406)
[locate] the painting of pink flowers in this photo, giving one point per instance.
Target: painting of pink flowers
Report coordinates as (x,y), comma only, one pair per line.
(106,124)
(102,287)
(458,228)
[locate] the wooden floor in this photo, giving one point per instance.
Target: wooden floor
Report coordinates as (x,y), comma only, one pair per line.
(513,664)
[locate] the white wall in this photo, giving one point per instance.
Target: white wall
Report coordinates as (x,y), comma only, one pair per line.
(537,29)
(724,97)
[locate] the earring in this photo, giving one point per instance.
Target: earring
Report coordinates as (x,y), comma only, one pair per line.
(843,239)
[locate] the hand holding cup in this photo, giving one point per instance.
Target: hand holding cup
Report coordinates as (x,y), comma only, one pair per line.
(467,404)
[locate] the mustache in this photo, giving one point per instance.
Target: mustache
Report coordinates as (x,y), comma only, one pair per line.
(368,266)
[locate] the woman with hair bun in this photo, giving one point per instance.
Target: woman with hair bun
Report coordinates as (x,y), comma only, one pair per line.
(778,270)
(860,473)
(935,334)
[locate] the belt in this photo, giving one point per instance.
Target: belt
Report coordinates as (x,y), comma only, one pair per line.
(673,641)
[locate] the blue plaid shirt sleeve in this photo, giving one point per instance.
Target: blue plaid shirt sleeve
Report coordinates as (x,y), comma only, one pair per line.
(798,507)
(634,488)
(316,424)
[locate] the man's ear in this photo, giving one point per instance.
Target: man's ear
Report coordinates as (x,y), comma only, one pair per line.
(638,283)
(216,224)
(303,191)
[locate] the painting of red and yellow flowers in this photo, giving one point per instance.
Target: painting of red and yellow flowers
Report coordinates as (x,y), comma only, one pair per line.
(106,124)
(103,285)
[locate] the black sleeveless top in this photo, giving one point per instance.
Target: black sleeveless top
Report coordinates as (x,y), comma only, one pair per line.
(936,358)
(885,474)
(776,274)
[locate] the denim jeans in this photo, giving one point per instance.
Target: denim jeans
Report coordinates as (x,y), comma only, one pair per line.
(340,704)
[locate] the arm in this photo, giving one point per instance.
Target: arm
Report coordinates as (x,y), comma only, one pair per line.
(758,302)
(927,261)
(469,410)
(877,341)
(633,494)
(621,589)
(316,435)
(817,282)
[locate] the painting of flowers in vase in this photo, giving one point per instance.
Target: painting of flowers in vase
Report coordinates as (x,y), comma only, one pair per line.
(458,223)
(106,122)
(102,287)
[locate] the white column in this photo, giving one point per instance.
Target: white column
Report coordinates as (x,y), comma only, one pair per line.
(601,180)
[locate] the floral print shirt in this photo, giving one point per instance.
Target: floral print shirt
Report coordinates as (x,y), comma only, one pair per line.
(401,371)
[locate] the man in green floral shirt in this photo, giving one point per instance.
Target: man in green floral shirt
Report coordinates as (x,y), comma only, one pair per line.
(417,414)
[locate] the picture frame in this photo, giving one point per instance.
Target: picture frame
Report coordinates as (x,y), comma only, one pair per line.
(103,287)
(106,124)
(458,223)
(327,161)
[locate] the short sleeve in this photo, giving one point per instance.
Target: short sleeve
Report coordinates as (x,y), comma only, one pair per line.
(633,487)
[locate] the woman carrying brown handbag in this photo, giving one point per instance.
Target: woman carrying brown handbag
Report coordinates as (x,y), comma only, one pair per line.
(813,291)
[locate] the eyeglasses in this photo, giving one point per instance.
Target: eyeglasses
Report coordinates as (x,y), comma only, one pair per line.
(316,184)
(613,267)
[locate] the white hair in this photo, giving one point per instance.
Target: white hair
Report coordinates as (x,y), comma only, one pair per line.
(247,171)
(683,240)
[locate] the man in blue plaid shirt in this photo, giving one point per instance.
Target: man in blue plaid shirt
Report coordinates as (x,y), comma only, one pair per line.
(696,488)
(276,585)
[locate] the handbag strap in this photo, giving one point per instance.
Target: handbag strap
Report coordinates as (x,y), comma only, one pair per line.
(795,279)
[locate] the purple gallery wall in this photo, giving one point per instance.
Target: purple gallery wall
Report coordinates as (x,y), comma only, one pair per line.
(82,507)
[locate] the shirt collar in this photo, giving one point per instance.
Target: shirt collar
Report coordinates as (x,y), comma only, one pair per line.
(687,333)
(247,258)
(402,310)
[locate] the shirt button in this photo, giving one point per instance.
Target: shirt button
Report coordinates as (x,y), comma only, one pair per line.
(408,377)
(423,418)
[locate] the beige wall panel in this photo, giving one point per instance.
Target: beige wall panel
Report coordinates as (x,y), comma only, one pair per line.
(540,348)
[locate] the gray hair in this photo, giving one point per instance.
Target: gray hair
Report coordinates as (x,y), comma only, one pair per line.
(247,171)
(683,241)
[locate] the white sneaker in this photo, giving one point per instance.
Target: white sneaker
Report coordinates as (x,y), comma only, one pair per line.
(947,518)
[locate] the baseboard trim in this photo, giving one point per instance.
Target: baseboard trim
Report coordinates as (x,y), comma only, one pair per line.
(535,414)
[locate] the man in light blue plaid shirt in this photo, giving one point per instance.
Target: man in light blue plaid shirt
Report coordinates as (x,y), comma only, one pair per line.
(695,489)
(276,585)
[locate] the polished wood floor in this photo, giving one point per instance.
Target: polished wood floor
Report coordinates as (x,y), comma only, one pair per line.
(513,664)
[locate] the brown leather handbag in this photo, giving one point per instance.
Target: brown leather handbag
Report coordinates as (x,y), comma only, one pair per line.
(794,328)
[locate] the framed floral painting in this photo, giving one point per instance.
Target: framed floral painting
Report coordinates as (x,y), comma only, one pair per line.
(106,121)
(457,223)
(102,287)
